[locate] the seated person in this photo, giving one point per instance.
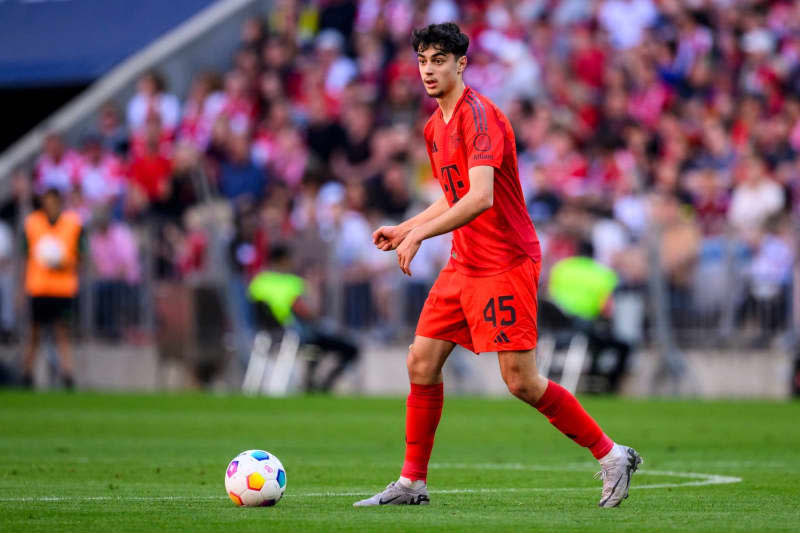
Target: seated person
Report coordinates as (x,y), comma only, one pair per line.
(280,305)
(581,288)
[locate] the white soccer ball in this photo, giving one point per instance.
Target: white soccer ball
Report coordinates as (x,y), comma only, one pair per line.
(49,251)
(255,478)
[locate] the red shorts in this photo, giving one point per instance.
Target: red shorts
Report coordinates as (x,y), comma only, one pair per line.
(484,314)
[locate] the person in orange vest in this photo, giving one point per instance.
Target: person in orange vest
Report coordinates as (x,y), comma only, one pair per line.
(53,243)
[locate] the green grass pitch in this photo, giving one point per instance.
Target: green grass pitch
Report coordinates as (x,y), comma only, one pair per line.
(95,462)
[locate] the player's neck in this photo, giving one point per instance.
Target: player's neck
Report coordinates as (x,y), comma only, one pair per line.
(447,103)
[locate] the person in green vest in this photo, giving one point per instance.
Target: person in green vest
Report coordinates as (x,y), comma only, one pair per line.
(278,295)
(581,288)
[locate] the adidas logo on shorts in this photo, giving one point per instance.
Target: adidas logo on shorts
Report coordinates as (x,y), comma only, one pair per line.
(501,338)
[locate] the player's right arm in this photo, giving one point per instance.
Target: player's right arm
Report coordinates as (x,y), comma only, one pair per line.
(388,238)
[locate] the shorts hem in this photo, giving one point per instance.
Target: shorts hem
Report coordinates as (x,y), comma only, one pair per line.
(444,338)
(512,348)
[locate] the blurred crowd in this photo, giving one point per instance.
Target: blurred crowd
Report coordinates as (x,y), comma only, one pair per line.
(634,119)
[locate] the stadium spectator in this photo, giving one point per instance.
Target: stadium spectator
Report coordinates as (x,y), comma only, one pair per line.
(237,103)
(100,174)
(12,209)
(57,167)
(239,177)
(150,167)
(202,107)
(324,134)
(271,90)
(627,20)
(253,33)
(11,218)
(389,193)
(401,105)
(351,163)
(710,200)
(249,248)
(337,68)
(587,58)
(717,152)
(355,258)
(7,290)
(755,197)
(111,130)
(277,54)
(152,100)
(248,253)
(280,148)
(769,277)
(187,185)
(338,15)
(117,273)
(248,63)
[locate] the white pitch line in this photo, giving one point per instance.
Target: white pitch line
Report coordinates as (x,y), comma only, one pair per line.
(700,480)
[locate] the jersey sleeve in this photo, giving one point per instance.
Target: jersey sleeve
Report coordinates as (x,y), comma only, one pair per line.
(483,137)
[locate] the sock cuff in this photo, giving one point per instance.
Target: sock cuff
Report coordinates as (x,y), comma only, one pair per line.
(602,447)
(414,471)
(432,391)
(551,397)
(426,396)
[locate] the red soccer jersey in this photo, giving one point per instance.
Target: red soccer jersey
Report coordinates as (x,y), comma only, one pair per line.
(479,134)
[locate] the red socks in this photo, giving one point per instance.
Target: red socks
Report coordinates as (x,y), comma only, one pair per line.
(566,414)
(423,411)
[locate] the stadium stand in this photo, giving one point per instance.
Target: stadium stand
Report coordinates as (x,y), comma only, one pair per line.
(639,124)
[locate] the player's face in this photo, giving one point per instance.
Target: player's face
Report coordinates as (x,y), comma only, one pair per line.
(439,71)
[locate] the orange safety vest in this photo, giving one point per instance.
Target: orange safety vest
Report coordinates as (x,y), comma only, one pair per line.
(40,279)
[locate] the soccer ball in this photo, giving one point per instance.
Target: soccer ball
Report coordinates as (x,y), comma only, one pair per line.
(255,478)
(49,251)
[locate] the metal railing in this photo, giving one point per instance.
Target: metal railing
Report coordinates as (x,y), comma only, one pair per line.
(725,306)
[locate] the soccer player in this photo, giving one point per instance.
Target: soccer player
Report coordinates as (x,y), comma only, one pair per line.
(485,298)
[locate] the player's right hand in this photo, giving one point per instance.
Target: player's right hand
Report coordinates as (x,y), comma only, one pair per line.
(388,238)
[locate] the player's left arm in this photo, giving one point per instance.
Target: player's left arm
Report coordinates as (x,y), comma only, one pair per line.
(478,199)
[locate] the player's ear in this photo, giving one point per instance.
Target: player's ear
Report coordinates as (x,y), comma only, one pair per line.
(461,64)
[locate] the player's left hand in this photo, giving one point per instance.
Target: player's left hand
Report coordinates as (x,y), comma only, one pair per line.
(407,250)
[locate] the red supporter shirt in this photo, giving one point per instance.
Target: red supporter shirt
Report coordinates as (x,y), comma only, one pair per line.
(478,134)
(151,172)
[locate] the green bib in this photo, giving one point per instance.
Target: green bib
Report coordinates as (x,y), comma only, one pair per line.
(581,286)
(278,291)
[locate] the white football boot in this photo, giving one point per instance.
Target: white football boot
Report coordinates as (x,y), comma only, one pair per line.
(397,494)
(616,474)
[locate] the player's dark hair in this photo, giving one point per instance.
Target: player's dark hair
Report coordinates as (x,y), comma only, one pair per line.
(445,37)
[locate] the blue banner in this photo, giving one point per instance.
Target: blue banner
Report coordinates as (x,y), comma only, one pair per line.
(55,42)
